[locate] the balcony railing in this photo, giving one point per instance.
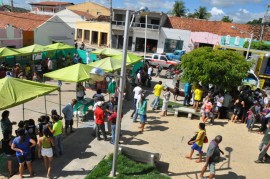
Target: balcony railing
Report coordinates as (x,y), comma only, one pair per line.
(135,24)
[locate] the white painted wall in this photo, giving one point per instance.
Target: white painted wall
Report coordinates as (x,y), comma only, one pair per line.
(151,34)
(52,28)
(175,34)
(69,17)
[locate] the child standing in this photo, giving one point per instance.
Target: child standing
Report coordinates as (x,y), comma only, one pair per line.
(166,99)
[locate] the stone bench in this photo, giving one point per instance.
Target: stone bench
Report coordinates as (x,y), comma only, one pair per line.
(187,110)
(140,155)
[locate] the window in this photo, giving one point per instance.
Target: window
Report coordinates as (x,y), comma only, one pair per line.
(227,41)
(98,13)
(79,33)
(237,40)
(163,58)
(155,56)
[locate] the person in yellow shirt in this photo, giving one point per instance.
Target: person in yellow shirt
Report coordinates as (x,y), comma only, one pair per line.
(157,91)
(198,93)
(197,144)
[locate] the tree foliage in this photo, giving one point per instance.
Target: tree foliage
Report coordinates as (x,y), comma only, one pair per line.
(258,45)
(179,9)
(226,19)
(200,13)
(255,22)
(222,68)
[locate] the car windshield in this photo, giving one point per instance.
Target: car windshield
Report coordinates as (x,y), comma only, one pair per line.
(168,58)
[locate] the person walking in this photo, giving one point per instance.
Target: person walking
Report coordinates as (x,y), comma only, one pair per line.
(166,99)
(187,93)
(264,146)
(21,146)
(57,131)
(80,91)
(142,108)
(6,125)
(6,146)
(212,157)
(68,115)
(157,91)
(197,97)
(137,90)
(197,144)
(100,116)
(45,144)
(113,119)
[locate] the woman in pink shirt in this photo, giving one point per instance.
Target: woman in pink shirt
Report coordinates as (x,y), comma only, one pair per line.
(207,109)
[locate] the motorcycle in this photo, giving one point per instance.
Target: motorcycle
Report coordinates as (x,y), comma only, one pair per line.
(170,73)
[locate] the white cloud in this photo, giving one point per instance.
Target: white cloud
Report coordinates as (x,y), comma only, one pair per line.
(227,3)
(239,16)
(215,11)
(153,6)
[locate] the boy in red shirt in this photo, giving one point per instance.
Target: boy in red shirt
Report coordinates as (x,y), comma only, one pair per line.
(100,116)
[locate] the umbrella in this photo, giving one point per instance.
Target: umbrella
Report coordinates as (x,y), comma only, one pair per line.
(5,52)
(74,73)
(107,52)
(14,91)
(107,64)
(131,58)
(60,46)
(33,49)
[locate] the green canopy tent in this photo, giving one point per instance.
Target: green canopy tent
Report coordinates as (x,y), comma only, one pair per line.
(131,58)
(14,91)
(107,52)
(32,49)
(5,52)
(107,64)
(74,73)
(59,46)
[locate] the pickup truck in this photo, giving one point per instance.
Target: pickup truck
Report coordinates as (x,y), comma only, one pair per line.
(177,54)
(162,60)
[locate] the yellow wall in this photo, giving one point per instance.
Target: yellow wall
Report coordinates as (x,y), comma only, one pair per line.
(95,26)
(91,8)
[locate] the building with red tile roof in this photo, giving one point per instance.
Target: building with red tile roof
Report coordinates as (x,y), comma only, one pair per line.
(49,7)
(39,29)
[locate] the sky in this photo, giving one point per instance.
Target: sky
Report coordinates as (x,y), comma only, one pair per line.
(240,11)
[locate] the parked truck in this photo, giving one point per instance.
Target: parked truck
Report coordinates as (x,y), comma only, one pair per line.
(176,55)
(163,60)
(259,74)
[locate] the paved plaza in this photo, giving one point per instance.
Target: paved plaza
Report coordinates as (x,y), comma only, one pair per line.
(165,135)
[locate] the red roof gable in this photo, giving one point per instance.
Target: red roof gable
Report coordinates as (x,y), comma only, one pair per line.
(24,21)
(51,3)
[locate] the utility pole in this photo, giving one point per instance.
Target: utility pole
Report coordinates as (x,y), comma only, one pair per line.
(111,16)
(11,4)
(265,21)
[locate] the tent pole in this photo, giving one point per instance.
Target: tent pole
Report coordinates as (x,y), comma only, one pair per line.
(45,104)
(23,110)
(59,101)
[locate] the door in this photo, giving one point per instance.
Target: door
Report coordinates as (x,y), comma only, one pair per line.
(163,61)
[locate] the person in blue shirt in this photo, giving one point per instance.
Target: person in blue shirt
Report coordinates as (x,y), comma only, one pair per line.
(68,115)
(187,93)
(22,145)
(142,108)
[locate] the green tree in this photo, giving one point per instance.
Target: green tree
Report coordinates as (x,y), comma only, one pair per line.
(222,68)
(179,9)
(200,13)
(255,21)
(226,19)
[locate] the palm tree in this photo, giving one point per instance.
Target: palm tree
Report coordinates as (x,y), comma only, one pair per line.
(201,13)
(179,8)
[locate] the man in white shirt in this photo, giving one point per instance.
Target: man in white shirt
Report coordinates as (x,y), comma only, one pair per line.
(149,71)
(50,64)
(219,100)
(137,90)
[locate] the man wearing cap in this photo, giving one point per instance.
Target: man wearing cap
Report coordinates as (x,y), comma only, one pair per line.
(68,115)
(264,146)
(100,116)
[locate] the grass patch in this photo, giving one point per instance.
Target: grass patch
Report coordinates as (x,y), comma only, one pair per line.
(127,169)
(171,105)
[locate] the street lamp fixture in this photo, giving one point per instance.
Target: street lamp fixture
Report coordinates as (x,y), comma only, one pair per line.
(250,41)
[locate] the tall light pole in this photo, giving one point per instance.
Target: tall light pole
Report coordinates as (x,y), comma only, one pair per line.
(111,16)
(145,37)
(122,84)
(250,41)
